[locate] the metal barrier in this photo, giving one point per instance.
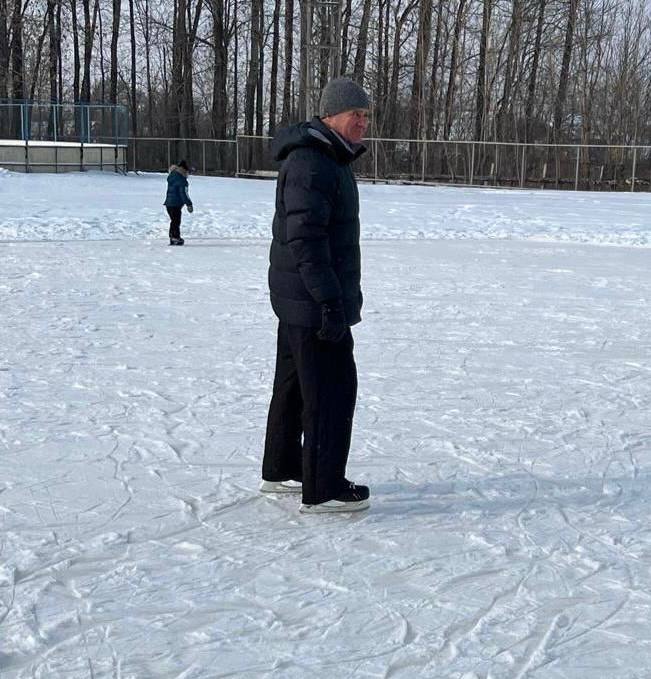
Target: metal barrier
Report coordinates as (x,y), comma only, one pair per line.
(470,163)
(207,156)
(86,123)
(49,156)
(558,166)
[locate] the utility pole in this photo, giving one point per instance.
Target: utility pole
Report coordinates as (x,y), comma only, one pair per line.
(322,48)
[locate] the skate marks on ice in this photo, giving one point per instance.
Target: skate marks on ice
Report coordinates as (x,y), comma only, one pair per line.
(501,425)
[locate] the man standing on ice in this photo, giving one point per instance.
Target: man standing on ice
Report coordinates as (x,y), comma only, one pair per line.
(314,279)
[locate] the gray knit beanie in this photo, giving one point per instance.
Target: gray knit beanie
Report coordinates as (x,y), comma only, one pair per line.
(342,94)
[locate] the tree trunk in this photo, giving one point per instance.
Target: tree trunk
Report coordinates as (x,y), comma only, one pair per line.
(219,100)
(362,44)
(289,51)
(236,76)
(17,74)
(134,99)
(75,50)
(436,66)
(88,51)
(480,108)
(273,86)
(345,45)
(39,55)
(259,89)
(417,102)
(531,88)
(54,89)
(561,94)
(506,104)
(59,56)
(102,65)
(4,54)
(392,99)
(449,97)
(254,67)
(150,89)
(302,78)
(179,38)
(188,68)
(378,93)
(115,34)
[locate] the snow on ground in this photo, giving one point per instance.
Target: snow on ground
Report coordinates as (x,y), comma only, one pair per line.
(502,424)
(105,206)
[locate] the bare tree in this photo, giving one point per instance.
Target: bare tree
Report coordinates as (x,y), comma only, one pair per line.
(533,76)
(254,64)
(220,46)
(480,106)
(134,100)
(417,101)
(288,52)
(454,62)
(362,44)
(273,87)
(17,74)
(4,50)
(561,93)
(115,34)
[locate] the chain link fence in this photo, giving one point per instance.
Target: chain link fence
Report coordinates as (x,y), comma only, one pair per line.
(61,122)
(558,166)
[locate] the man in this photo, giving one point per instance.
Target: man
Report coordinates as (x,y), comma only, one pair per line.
(314,279)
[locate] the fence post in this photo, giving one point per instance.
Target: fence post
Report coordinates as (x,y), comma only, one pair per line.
(169,157)
(472,164)
(54,116)
(576,175)
(22,122)
(135,152)
(237,155)
(27,156)
(375,161)
(522,168)
(424,156)
(203,145)
(634,168)
(496,170)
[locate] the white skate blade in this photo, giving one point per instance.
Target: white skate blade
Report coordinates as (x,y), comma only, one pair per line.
(281,486)
(335,506)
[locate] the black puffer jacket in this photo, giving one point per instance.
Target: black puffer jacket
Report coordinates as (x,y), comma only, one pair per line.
(315,254)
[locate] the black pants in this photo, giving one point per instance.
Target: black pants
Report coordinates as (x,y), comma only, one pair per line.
(175,221)
(314,393)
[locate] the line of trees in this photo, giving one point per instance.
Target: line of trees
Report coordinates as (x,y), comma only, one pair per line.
(506,70)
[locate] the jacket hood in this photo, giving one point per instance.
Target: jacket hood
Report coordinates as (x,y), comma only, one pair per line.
(176,168)
(314,134)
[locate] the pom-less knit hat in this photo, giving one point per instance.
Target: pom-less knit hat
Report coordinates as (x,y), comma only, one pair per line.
(342,94)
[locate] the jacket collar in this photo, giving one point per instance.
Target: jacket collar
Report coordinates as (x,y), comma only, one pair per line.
(344,151)
(316,134)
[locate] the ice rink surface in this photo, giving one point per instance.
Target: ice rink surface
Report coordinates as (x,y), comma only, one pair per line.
(502,425)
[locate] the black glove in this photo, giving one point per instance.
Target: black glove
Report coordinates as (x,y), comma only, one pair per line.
(333,321)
